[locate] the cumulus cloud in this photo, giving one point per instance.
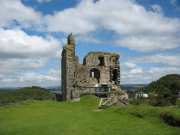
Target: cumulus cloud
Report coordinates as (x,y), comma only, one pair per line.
(12,11)
(149,43)
(23,56)
(146,75)
(17,44)
(41,1)
(157,8)
(134,26)
(130,65)
(17,65)
(87,38)
(176,4)
(137,28)
(52,78)
(124,17)
(173,1)
(167,59)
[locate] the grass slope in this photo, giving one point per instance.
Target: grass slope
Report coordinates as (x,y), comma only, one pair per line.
(67,118)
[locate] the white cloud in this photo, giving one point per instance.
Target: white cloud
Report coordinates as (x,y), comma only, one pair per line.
(18,65)
(52,78)
(157,8)
(136,71)
(135,28)
(173,1)
(149,43)
(121,16)
(146,75)
(130,65)
(17,44)
(87,38)
(124,17)
(169,59)
(41,1)
(22,53)
(138,29)
(11,11)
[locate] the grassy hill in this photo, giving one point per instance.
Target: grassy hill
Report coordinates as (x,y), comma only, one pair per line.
(26,93)
(78,118)
(167,83)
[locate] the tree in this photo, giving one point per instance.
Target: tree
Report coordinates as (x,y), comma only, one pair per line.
(174,88)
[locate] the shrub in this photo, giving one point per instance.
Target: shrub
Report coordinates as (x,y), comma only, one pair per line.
(173,99)
(163,99)
(135,101)
(178,103)
(120,92)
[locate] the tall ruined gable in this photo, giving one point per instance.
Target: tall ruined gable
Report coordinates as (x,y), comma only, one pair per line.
(68,67)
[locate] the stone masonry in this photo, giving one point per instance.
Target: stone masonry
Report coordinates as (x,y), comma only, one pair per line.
(98,68)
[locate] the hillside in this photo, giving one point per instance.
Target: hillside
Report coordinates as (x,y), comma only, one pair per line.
(26,93)
(167,83)
(83,118)
(132,86)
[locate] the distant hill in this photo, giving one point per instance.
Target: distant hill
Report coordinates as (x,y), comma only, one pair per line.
(53,88)
(167,83)
(50,88)
(10,88)
(23,94)
(132,86)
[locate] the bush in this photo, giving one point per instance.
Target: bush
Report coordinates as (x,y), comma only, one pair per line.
(173,99)
(135,101)
(120,92)
(178,103)
(163,99)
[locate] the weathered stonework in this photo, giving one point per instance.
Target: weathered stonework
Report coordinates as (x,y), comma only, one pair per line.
(98,67)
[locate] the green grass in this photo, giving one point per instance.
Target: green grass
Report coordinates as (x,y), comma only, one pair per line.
(71,37)
(70,47)
(77,118)
(115,54)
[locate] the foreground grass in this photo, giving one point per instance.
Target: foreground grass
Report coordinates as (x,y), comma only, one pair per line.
(48,118)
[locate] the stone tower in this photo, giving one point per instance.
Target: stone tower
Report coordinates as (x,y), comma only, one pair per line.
(68,67)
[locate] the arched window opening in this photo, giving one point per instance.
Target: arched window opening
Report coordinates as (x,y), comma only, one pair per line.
(95,73)
(115,75)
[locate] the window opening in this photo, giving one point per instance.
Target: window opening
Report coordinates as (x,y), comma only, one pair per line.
(115,75)
(95,73)
(92,74)
(101,61)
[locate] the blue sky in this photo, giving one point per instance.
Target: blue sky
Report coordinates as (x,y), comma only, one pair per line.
(146,34)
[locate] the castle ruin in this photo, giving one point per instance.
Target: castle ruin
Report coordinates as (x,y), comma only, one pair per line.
(98,68)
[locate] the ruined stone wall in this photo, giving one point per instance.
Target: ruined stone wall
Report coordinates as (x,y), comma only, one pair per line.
(63,75)
(77,60)
(71,67)
(82,77)
(106,67)
(68,69)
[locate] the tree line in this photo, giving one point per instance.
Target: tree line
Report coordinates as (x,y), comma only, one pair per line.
(162,92)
